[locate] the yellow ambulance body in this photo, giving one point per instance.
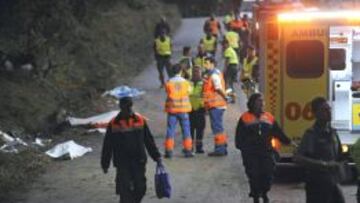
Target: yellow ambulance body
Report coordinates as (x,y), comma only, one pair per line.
(305,53)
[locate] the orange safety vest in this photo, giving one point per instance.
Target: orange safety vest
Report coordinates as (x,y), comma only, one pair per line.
(214,26)
(177,97)
(127,125)
(213,99)
(236,24)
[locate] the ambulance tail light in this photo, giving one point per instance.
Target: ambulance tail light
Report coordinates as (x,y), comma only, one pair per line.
(276,144)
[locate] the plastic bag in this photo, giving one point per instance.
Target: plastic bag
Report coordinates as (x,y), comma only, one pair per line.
(162,182)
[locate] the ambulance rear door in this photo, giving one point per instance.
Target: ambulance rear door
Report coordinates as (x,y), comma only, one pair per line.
(303,74)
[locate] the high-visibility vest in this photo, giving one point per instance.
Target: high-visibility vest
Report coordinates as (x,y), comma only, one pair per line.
(196,98)
(228,18)
(199,61)
(233,39)
(236,24)
(177,97)
(209,44)
(248,67)
(212,99)
(187,60)
(163,48)
(129,125)
(231,55)
(214,26)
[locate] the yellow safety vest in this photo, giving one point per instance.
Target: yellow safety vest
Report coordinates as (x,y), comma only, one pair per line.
(231,55)
(196,99)
(209,45)
(189,65)
(163,48)
(248,67)
(233,39)
(199,61)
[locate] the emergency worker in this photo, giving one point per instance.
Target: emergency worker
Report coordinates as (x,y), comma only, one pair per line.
(321,154)
(236,24)
(197,114)
(234,40)
(177,107)
(200,57)
(213,26)
(250,71)
(210,44)
(127,136)
(231,65)
(253,136)
(163,50)
(215,103)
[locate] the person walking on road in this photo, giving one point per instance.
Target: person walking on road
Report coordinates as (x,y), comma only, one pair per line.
(186,62)
(200,57)
(253,136)
(215,103)
(163,50)
(127,136)
(177,107)
(320,153)
(197,114)
(231,65)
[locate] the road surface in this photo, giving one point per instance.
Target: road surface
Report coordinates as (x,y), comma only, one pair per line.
(198,180)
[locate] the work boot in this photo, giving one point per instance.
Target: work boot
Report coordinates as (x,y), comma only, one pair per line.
(199,149)
(168,154)
(219,151)
(188,154)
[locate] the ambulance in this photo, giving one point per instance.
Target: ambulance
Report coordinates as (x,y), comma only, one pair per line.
(304,53)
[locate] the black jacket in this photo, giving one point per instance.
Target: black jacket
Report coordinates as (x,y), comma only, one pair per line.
(126,139)
(253,135)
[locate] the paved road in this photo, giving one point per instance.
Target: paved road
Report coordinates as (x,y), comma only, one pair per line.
(197,180)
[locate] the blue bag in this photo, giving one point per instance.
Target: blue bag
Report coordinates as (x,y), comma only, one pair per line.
(162,182)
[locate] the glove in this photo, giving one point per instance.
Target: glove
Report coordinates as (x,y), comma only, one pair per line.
(105,170)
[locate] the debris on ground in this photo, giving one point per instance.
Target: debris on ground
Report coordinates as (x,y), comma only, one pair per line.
(11,143)
(124,91)
(68,149)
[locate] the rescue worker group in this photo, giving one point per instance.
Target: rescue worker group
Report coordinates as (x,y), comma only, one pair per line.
(196,87)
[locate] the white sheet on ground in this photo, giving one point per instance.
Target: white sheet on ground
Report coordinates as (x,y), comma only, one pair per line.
(94,120)
(69,148)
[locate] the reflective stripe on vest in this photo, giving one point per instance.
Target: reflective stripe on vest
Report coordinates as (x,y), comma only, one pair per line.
(209,44)
(212,98)
(163,48)
(250,119)
(233,39)
(177,97)
(248,67)
(127,125)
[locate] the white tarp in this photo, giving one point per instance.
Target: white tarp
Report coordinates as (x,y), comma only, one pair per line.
(69,148)
(98,120)
(124,91)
